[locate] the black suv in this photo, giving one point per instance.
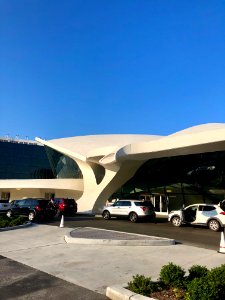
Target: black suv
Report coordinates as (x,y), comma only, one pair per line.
(38,209)
(65,206)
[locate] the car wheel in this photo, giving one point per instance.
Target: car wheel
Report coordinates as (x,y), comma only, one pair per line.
(214,225)
(106,215)
(133,217)
(9,213)
(176,221)
(31,216)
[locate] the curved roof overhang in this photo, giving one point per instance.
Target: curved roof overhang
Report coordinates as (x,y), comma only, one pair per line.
(96,148)
(109,150)
(198,139)
(61,149)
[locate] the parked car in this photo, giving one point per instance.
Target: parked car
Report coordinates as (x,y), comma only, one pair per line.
(209,215)
(133,209)
(4,205)
(32,208)
(65,206)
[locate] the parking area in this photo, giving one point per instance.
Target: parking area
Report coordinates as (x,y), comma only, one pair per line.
(94,267)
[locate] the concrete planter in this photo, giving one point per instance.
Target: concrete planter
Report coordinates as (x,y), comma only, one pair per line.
(118,292)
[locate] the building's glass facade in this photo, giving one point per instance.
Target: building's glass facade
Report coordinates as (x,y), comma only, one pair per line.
(23,160)
(62,165)
(179,180)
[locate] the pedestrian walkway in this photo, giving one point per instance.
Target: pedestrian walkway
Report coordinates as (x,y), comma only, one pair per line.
(92,266)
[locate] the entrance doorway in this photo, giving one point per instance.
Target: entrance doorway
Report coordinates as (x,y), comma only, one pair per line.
(159,201)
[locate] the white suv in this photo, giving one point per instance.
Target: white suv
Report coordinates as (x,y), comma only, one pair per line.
(209,215)
(133,209)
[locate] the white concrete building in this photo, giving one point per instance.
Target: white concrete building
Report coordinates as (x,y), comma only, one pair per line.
(93,169)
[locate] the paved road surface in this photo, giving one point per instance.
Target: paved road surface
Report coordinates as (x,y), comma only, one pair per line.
(20,282)
(43,248)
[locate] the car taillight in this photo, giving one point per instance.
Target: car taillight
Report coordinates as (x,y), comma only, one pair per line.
(143,208)
(38,208)
(62,205)
(222,213)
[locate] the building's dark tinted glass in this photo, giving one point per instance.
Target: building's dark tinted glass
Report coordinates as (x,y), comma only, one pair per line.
(62,165)
(23,161)
(195,178)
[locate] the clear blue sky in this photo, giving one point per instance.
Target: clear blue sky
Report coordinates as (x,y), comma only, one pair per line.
(80,67)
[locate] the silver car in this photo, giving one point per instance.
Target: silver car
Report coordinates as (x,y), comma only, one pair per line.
(133,209)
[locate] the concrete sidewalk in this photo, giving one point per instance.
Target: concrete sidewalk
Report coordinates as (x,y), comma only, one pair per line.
(96,267)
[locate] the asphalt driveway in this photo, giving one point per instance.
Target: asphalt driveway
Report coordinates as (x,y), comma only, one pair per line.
(18,281)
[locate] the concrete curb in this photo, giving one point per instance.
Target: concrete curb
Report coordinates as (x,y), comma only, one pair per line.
(118,292)
(16,227)
(142,240)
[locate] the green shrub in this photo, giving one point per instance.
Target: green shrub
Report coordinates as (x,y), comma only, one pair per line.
(197,271)
(4,222)
(196,290)
(202,289)
(14,221)
(142,285)
(3,217)
(216,278)
(209,287)
(172,275)
(20,220)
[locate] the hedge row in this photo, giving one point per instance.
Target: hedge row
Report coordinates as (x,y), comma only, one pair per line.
(10,222)
(199,284)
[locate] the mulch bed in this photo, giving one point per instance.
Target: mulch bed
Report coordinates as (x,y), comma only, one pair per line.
(168,295)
